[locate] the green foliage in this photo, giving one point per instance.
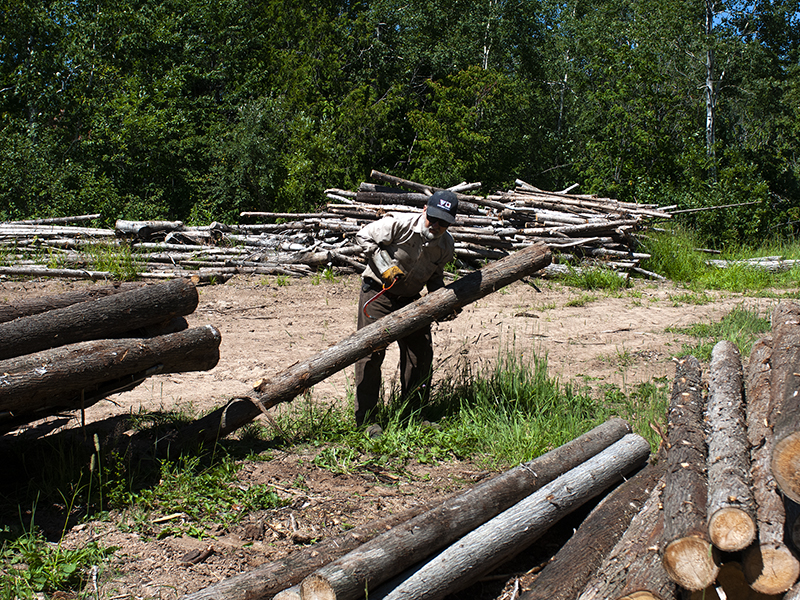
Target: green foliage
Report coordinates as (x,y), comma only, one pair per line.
(742,326)
(30,565)
(595,278)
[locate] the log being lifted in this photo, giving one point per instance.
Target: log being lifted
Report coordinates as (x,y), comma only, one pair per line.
(292,382)
(39,304)
(432,529)
(573,566)
(785,418)
(688,556)
(512,531)
(731,507)
(77,375)
(390,554)
(105,317)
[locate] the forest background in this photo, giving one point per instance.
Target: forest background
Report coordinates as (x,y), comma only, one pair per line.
(199,109)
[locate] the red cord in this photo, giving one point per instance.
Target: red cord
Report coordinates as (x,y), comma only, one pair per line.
(376,296)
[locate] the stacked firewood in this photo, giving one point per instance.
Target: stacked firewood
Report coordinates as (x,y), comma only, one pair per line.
(67,352)
(579,227)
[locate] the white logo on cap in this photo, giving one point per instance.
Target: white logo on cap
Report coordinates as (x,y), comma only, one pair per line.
(444,204)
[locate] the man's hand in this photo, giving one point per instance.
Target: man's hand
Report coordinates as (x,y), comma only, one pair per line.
(390,274)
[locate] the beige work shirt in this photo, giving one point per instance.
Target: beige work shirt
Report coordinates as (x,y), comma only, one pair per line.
(421,260)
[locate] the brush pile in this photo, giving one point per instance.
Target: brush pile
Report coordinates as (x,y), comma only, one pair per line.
(578,228)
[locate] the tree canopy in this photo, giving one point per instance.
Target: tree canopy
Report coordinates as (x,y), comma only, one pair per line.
(200,109)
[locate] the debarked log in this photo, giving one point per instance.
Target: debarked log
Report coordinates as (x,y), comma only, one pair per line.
(574,565)
(292,382)
(105,317)
(688,555)
(386,556)
(67,377)
(513,530)
(731,507)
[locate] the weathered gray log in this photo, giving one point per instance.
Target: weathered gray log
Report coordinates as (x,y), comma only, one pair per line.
(688,555)
(509,533)
(633,568)
(104,317)
(70,377)
(270,578)
(731,507)
(34,305)
(145,229)
(56,220)
(785,385)
(290,383)
(387,556)
(769,565)
(576,562)
(35,271)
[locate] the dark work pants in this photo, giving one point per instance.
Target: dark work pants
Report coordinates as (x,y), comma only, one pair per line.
(416,355)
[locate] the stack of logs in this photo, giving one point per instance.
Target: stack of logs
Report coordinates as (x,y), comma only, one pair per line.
(487,228)
(66,352)
(711,516)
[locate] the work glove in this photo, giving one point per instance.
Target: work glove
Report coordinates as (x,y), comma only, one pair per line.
(390,274)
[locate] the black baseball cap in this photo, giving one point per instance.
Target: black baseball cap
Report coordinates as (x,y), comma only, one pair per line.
(443,205)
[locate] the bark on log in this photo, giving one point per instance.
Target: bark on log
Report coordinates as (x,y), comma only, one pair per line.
(145,229)
(102,318)
(785,383)
(292,382)
(389,555)
(574,565)
(70,377)
(769,566)
(688,556)
(731,507)
(633,568)
(40,304)
(268,579)
(511,532)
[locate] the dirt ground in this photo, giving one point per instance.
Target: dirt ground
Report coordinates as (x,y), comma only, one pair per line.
(589,338)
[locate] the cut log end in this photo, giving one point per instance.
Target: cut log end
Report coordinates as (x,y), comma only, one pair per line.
(786,465)
(731,529)
(691,562)
(315,587)
(770,569)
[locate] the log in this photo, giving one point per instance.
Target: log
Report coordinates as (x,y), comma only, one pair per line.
(731,507)
(37,271)
(272,577)
(688,556)
(101,318)
(513,530)
(769,566)
(387,556)
(292,382)
(574,565)
(633,568)
(731,585)
(39,304)
(70,377)
(785,462)
(145,229)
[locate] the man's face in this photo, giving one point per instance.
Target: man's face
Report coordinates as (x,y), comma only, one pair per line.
(435,228)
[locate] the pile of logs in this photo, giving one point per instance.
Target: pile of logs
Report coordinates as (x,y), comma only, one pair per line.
(300,244)
(67,352)
(712,515)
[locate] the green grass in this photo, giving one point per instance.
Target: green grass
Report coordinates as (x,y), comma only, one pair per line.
(676,256)
(742,326)
(595,278)
(119,260)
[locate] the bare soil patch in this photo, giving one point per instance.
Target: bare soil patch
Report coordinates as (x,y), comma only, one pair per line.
(594,338)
